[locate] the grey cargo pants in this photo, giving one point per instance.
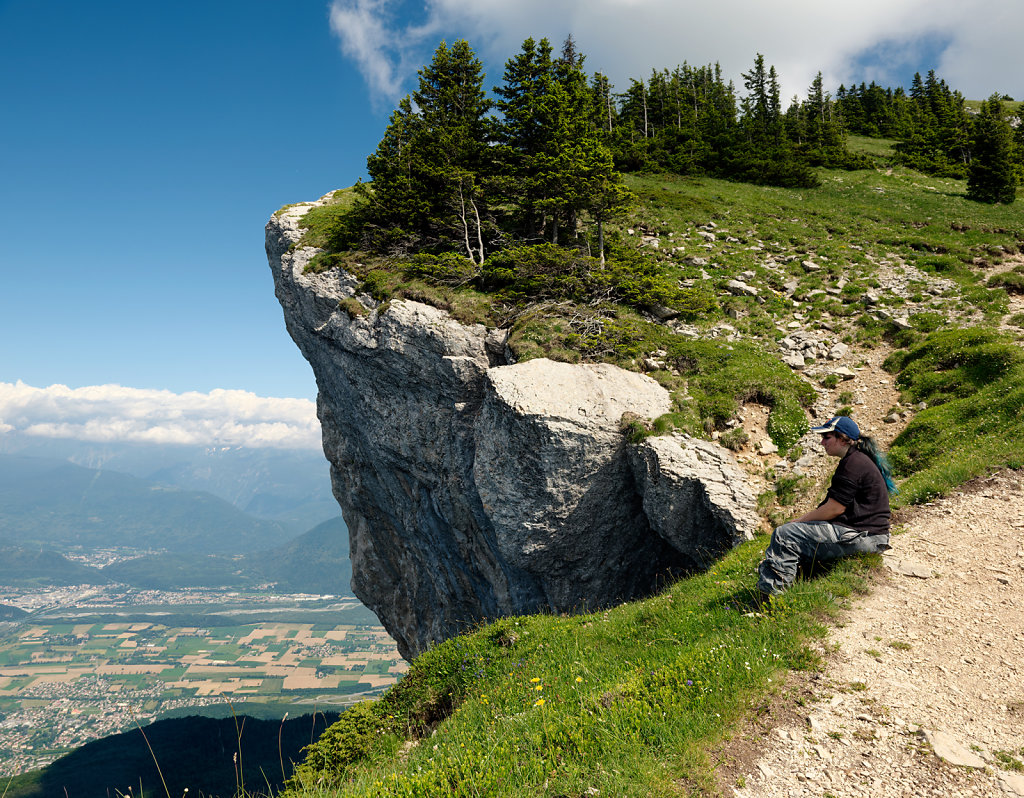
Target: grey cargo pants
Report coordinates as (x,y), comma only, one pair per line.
(810,541)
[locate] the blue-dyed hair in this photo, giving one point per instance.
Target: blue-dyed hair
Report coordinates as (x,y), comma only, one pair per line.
(870,447)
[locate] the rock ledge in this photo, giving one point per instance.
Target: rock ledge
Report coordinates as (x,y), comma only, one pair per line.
(474,487)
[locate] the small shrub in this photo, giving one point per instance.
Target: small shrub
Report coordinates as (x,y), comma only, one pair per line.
(786,424)
(734,439)
(1007,761)
(787,489)
(634,427)
(448,268)
(830,381)
(353,307)
(1011,282)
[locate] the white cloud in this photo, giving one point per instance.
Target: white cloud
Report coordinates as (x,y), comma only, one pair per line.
(980,48)
(367,32)
(110,413)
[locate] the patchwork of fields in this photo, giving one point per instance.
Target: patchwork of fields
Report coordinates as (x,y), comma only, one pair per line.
(64,682)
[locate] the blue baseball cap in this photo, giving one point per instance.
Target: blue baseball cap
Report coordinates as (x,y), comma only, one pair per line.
(841,424)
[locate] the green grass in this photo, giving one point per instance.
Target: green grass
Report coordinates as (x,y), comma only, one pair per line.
(973,382)
(627,701)
(1009,106)
(878,149)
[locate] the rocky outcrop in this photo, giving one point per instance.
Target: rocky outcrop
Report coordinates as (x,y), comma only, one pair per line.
(474,487)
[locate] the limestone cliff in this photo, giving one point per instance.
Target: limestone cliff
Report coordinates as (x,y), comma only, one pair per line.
(474,487)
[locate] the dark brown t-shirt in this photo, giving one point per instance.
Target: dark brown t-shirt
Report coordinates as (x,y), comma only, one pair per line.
(859,486)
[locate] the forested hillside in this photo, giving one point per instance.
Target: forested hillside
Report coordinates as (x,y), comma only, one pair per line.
(465,171)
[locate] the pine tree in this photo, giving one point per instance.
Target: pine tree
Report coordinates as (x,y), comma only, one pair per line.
(991,177)
(548,139)
(764,154)
(524,131)
(429,170)
(823,139)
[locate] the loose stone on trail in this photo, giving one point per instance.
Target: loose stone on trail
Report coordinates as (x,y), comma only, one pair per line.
(908,568)
(945,747)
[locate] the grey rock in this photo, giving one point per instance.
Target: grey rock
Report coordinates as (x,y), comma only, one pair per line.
(794,362)
(1012,783)
(740,288)
(947,748)
(844,373)
(475,488)
(908,568)
(806,461)
(694,495)
(838,351)
(662,312)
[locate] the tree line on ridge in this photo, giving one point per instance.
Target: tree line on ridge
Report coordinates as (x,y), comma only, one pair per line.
(462,171)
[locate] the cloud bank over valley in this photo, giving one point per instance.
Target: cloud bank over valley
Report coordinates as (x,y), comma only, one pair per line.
(112,413)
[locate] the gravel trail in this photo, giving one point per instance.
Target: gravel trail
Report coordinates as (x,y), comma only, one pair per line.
(923,690)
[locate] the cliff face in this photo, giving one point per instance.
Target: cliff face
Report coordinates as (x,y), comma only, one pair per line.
(475,488)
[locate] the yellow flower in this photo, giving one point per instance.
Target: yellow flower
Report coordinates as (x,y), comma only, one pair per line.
(539,687)
(539,702)
(579,678)
(534,680)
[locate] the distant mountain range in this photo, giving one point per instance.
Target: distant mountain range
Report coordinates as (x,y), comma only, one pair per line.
(50,507)
(197,754)
(55,503)
(291,486)
(315,562)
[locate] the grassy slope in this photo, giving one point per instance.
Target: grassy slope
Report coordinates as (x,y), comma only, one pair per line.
(632,700)
(627,701)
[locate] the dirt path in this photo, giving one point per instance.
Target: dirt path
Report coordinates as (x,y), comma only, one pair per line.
(931,660)
(923,689)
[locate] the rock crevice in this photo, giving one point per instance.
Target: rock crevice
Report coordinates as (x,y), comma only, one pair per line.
(475,488)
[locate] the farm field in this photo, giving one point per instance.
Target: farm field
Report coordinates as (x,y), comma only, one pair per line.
(83,667)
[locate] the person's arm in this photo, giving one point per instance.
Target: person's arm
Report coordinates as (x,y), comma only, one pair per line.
(824,512)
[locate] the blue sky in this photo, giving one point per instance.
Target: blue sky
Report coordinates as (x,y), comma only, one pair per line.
(144,145)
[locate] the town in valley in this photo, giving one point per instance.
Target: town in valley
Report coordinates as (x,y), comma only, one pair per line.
(79,663)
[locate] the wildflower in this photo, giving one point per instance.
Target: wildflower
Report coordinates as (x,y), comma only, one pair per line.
(539,687)
(579,678)
(534,680)
(689,682)
(539,702)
